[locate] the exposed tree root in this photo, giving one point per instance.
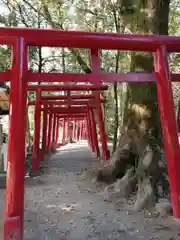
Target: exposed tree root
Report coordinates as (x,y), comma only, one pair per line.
(136,168)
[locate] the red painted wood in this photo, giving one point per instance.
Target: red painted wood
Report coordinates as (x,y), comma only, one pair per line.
(131,77)
(64,131)
(81,131)
(95,62)
(66,102)
(56,88)
(12,229)
(74,39)
(68,110)
(50,130)
(91,131)
(136,77)
(47,133)
(169,126)
(72,96)
(53,131)
(72,116)
(56,38)
(8,40)
(17,134)
(57,129)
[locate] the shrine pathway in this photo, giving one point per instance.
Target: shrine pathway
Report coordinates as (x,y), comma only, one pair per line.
(61,205)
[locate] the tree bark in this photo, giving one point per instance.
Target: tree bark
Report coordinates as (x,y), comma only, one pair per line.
(116,118)
(137,158)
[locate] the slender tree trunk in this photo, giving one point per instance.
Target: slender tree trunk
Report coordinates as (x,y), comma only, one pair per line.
(116,118)
(116,111)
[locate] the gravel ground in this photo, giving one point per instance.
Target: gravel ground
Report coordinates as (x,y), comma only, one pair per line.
(59,205)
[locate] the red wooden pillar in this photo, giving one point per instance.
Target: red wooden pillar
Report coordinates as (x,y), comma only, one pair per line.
(169,126)
(78,128)
(53,131)
(76,132)
(84,130)
(47,133)
(57,130)
(73,130)
(37,126)
(64,132)
(89,133)
(95,59)
(86,134)
(45,128)
(94,132)
(49,130)
(91,130)
(14,216)
(81,130)
(82,133)
(68,130)
(52,127)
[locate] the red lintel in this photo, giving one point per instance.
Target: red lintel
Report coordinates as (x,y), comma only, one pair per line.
(72,119)
(8,40)
(72,115)
(131,77)
(56,88)
(74,39)
(65,102)
(82,77)
(72,96)
(57,111)
(69,110)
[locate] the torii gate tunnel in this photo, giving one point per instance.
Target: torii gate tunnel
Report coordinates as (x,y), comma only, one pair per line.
(55,115)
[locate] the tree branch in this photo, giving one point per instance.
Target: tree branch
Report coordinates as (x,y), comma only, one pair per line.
(75,52)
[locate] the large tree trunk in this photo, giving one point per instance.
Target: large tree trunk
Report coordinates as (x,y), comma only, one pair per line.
(136,161)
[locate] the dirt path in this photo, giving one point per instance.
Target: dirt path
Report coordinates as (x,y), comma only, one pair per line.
(60,206)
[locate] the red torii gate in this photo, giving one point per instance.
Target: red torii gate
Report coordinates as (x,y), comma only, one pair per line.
(67,101)
(19,39)
(73,100)
(38,102)
(91,126)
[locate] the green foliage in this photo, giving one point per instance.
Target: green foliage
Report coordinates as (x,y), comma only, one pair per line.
(174,18)
(4,58)
(4,62)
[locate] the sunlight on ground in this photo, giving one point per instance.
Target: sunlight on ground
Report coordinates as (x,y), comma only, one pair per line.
(64,207)
(79,144)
